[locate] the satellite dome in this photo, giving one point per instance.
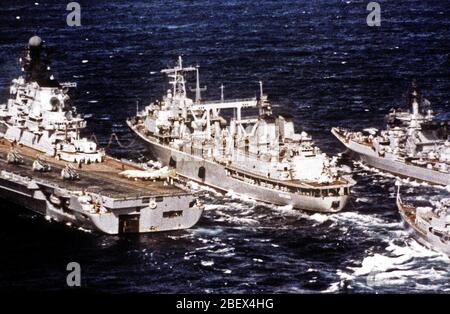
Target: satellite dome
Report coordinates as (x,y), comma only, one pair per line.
(35,41)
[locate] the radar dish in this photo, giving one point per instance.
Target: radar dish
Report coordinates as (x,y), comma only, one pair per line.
(35,41)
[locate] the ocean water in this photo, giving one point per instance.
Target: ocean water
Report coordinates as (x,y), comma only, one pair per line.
(319,61)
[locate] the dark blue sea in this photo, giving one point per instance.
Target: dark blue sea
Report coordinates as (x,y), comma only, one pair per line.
(319,61)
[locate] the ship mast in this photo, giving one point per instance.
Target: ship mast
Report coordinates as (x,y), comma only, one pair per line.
(177,75)
(415,99)
(198,89)
(264,105)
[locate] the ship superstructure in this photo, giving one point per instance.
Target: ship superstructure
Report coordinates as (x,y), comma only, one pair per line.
(258,155)
(414,143)
(48,167)
(39,113)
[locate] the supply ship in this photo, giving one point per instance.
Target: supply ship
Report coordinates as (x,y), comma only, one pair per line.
(259,155)
(415,144)
(47,167)
(429,225)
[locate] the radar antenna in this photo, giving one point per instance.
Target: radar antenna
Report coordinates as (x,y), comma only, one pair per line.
(177,77)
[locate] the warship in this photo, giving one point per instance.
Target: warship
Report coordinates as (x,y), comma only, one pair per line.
(414,144)
(47,167)
(429,225)
(258,155)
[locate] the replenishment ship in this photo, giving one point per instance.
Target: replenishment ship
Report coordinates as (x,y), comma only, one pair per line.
(47,167)
(260,155)
(429,225)
(415,144)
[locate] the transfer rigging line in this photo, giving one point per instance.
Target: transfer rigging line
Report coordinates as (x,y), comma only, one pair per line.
(112,138)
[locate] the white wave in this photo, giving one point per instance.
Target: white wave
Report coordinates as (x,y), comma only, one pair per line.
(414,249)
(205,248)
(288,210)
(215,207)
(188,257)
(286,207)
(380,263)
(225,250)
(204,231)
(172,26)
(334,287)
(207,263)
(372,169)
(199,187)
(240,197)
(365,221)
(401,265)
(84,230)
(243,221)
(178,237)
(321,218)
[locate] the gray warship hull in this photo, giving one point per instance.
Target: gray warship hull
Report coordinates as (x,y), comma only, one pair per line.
(368,156)
(424,237)
(128,207)
(218,176)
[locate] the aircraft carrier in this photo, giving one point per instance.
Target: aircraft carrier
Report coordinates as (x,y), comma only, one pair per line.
(47,167)
(429,225)
(258,155)
(414,144)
